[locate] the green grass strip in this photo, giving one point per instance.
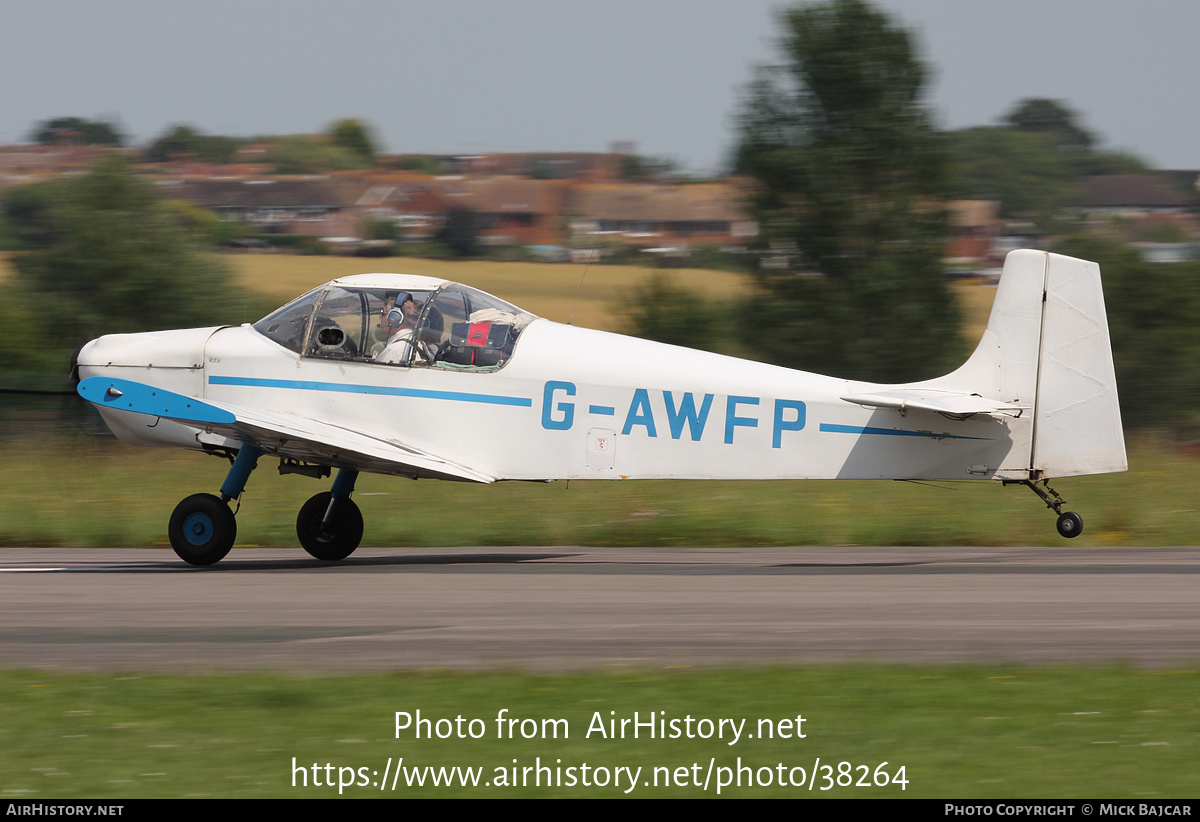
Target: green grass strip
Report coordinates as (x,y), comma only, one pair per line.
(964,732)
(88,492)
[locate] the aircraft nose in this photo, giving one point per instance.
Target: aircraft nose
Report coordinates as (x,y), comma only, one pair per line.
(154,355)
(73,374)
(86,358)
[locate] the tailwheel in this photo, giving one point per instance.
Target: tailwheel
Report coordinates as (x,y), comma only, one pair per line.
(1070,524)
(202,529)
(328,534)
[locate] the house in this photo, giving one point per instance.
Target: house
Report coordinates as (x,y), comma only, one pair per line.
(272,205)
(975,227)
(646,215)
(508,210)
(414,203)
(1156,214)
(25,163)
(578,166)
(1128,195)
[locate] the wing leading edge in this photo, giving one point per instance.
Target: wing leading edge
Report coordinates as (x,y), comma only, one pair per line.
(282,435)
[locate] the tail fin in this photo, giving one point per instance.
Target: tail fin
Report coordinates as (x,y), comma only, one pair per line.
(1047,347)
(1077,425)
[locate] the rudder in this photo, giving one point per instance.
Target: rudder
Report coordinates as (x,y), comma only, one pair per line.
(1077,419)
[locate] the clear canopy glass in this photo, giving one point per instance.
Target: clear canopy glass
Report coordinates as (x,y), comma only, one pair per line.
(451,327)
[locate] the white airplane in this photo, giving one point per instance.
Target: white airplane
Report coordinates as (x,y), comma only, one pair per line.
(418,377)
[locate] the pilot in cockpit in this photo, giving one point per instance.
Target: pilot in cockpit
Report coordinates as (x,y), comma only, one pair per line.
(398,320)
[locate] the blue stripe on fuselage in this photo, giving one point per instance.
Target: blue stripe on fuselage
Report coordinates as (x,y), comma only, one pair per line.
(348,388)
(833,428)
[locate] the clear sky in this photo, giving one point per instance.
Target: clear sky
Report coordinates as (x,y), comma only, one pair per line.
(567,75)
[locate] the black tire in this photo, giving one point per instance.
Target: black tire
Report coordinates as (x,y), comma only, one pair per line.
(202,529)
(340,538)
(1070,525)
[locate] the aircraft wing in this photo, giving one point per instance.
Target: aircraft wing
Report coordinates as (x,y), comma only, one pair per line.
(948,403)
(277,434)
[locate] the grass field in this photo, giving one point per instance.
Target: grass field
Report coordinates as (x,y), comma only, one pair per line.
(963,732)
(547,289)
(95,493)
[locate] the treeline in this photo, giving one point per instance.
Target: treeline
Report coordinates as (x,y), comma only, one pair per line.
(103,253)
(1032,163)
(345,145)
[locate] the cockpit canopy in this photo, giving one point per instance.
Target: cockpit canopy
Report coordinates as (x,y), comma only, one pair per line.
(368,319)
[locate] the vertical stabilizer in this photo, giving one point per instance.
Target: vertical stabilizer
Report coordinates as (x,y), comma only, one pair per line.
(1077,421)
(1004,365)
(1047,349)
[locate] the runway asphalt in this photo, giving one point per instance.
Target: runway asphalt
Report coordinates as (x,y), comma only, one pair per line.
(552,609)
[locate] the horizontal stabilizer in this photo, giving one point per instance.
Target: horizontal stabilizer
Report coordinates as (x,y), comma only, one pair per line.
(947,403)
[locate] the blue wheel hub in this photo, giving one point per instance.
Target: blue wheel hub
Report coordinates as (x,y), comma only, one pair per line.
(198,529)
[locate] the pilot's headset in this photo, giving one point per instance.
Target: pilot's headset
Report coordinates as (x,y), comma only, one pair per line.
(396,315)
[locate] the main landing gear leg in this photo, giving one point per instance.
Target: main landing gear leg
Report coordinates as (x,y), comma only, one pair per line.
(202,528)
(330,526)
(1070,524)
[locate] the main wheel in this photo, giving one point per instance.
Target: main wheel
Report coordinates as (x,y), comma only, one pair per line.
(1070,525)
(339,538)
(202,529)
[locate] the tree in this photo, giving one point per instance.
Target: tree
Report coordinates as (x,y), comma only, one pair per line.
(184,141)
(27,210)
(1032,165)
(460,232)
(1037,114)
(115,259)
(851,174)
(423,163)
(303,154)
(1152,310)
(354,136)
(1024,171)
(77,130)
(661,310)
